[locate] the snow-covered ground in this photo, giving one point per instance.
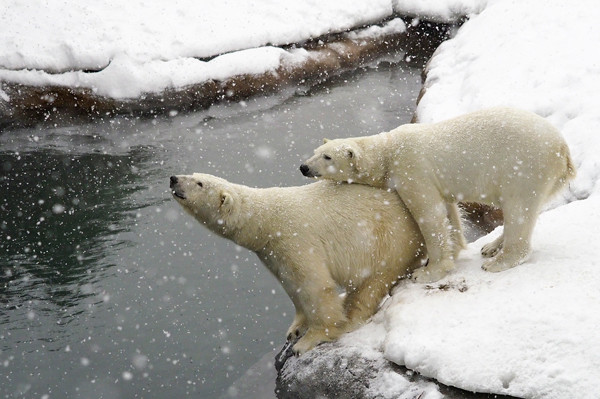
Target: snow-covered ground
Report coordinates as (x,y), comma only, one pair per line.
(531,331)
(125,49)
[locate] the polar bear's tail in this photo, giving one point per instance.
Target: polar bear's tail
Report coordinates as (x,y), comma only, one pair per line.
(569,171)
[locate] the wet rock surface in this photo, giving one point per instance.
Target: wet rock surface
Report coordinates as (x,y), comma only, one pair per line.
(334,371)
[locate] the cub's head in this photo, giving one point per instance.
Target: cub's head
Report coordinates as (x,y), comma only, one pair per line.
(334,160)
(209,199)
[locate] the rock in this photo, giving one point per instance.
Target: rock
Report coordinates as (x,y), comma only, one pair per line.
(334,371)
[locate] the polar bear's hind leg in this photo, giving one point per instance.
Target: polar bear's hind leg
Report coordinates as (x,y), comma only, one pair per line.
(458,239)
(519,221)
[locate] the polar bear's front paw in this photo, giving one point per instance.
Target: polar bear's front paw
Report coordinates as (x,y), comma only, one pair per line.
(432,272)
(311,339)
(296,330)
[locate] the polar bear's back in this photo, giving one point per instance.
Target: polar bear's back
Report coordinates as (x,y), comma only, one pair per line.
(338,205)
(507,126)
(485,152)
(343,202)
(351,227)
(495,129)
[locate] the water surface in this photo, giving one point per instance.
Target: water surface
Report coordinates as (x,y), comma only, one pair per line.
(108,290)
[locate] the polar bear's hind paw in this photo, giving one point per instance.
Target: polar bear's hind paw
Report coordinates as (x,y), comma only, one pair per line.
(432,272)
(491,249)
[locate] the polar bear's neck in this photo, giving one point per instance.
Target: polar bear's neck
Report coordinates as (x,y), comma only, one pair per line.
(251,223)
(374,160)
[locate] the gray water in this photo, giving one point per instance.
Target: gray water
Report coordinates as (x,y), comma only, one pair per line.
(108,290)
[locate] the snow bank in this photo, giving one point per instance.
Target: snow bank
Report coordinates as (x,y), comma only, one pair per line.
(59,36)
(440,10)
(125,49)
(536,55)
(530,331)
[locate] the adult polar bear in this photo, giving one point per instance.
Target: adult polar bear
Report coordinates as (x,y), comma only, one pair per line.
(508,158)
(315,239)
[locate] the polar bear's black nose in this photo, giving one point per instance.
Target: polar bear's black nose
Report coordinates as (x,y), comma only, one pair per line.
(304,169)
(173,181)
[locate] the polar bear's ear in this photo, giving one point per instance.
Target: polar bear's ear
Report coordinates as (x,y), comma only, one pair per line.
(226,201)
(353,157)
(325,141)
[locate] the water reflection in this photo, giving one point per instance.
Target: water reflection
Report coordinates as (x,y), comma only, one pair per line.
(60,212)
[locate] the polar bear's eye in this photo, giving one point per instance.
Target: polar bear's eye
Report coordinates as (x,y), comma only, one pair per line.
(199,183)
(327,157)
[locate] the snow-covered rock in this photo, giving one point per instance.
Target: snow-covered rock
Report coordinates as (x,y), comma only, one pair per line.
(127,77)
(59,36)
(440,10)
(340,371)
(528,332)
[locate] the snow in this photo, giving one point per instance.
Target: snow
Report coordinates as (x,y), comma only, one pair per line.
(440,10)
(530,331)
(65,35)
(523,54)
(124,49)
(527,332)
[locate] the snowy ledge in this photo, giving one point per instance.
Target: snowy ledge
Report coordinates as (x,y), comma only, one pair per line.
(185,84)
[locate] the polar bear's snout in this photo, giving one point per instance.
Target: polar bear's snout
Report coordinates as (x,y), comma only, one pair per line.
(176,190)
(305,169)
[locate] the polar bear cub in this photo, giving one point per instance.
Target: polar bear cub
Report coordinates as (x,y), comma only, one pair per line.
(504,157)
(316,239)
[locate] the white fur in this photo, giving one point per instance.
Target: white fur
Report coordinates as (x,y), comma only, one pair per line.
(511,159)
(316,239)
